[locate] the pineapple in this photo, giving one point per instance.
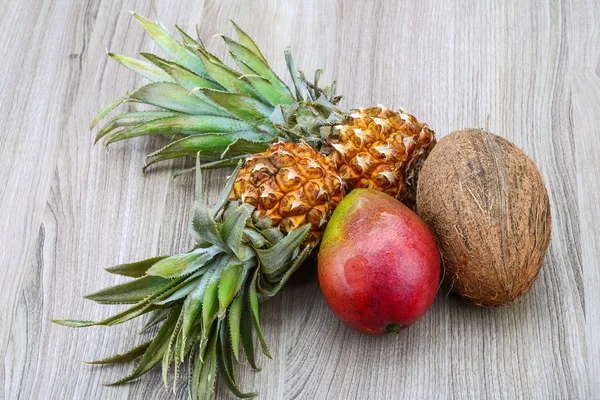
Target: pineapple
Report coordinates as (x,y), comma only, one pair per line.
(229,115)
(206,300)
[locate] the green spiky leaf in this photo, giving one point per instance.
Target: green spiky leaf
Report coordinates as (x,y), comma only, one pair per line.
(244,146)
(156,318)
(145,69)
(225,76)
(224,195)
(174,97)
(183,125)
(268,90)
(73,323)
(245,56)
(193,305)
(223,350)
(128,356)
(210,303)
(272,290)
(273,235)
(225,366)
(205,227)
(135,269)
(156,349)
(246,330)
(273,260)
(255,238)
(211,145)
(229,285)
(177,359)
(187,286)
(131,119)
(106,110)
(247,41)
(187,125)
(241,106)
(253,299)
(130,292)
(233,228)
(234,319)
(124,316)
(138,309)
(180,74)
(183,264)
(172,47)
(228,162)
(300,87)
(169,355)
(187,39)
(202,385)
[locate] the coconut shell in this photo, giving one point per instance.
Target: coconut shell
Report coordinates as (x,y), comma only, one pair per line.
(487,204)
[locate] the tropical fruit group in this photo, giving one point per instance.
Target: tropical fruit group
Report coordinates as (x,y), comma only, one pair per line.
(297,154)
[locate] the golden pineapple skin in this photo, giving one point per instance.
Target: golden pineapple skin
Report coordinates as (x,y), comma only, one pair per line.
(293,184)
(378,148)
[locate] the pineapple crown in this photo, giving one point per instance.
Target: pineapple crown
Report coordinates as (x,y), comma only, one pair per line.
(205,105)
(206,299)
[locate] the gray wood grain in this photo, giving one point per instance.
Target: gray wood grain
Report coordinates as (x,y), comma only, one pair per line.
(529,71)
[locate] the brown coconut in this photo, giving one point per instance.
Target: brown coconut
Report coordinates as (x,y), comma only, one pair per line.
(486,202)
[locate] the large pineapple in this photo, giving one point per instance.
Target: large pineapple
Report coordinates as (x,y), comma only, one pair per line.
(228,115)
(270,215)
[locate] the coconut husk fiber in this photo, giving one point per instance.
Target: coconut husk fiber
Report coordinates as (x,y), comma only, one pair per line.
(487,204)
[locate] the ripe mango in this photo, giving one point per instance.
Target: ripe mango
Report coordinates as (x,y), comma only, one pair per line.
(379,266)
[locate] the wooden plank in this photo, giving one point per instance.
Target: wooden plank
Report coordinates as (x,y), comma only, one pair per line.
(584,94)
(36,87)
(528,71)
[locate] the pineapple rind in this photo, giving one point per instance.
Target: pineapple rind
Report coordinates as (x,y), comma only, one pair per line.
(380,149)
(293,185)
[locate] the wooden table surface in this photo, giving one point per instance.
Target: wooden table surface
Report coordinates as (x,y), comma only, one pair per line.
(528,70)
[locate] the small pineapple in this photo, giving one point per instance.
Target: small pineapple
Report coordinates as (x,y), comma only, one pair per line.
(292,184)
(230,115)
